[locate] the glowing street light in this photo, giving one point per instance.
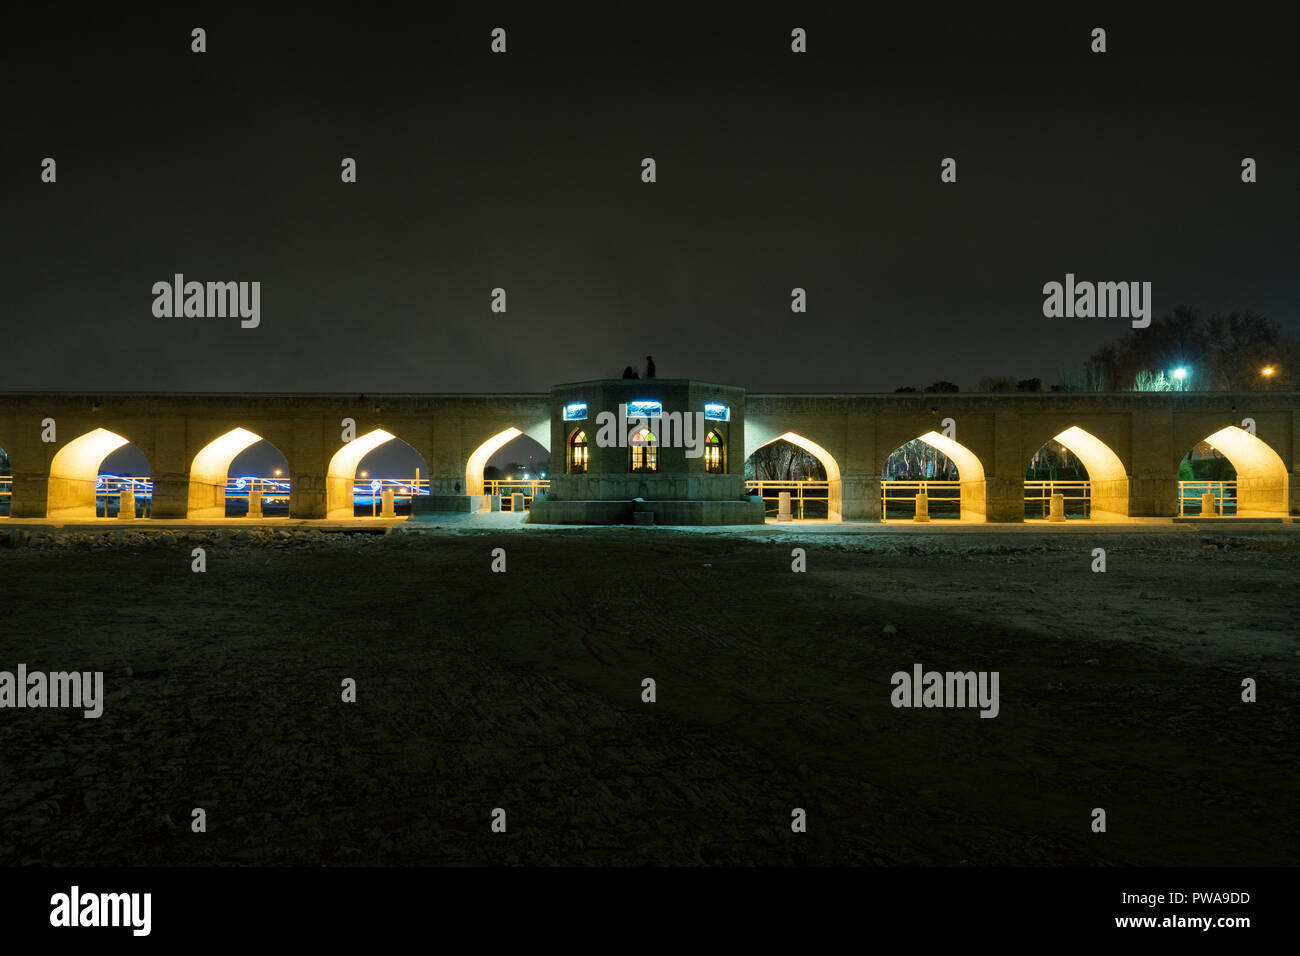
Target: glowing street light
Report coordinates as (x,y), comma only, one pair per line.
(1180,373)
(1266,371)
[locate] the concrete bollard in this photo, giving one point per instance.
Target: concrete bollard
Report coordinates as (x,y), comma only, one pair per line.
(517,502)
(1057,510)
(126,505)
(922,507)
(783,506)
(387,507)
(254,504)
(1209,504)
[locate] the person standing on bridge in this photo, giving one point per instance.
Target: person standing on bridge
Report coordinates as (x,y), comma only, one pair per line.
(649,366)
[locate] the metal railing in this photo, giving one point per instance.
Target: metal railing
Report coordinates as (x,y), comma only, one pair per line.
(6,493)
(1077,495)
(108,494)
(808,499)
(506,487)
(944,499)
(1189,498)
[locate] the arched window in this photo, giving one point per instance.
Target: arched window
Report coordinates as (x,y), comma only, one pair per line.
(577,452)
(714,463)
(644,451)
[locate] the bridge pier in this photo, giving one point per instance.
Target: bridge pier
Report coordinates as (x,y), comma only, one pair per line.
(30,494)
(1153,495)
(171,495)
(1004,500)
(859,498)
(307,494)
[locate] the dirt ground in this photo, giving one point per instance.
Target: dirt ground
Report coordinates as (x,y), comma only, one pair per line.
(477,690)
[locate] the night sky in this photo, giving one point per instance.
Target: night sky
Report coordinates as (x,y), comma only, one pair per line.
(522,171)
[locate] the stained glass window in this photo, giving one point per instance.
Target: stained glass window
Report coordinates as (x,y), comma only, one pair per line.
(713,462)
(577,451)
(644,451)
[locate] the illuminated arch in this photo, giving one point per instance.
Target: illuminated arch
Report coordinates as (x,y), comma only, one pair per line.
(1107,477)
(540,433)
(970,473)
(73,473)
(1263,484)
(834,507)
(210,470)
(969,467)
(342,472)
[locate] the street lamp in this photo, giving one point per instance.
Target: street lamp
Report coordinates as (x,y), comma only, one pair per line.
(1266,371)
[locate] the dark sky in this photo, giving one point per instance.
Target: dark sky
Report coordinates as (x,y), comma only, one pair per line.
(522,171)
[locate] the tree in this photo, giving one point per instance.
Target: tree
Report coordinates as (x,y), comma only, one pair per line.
(783,461)
(1221,352)
(916,461)
(995,384)
(942,387)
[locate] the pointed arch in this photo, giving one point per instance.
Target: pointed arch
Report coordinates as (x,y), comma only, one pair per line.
(1263,484)
(1108,480)
(74,472)
(834,506)
(210,470)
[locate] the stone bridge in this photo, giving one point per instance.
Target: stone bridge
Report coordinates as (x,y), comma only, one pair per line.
(1130,443)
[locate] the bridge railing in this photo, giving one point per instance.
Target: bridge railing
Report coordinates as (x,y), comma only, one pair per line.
(6,493)
(109,489)
(506,487)
(944,499)
(1077,495)
(809,499)
(1190,492)
(274,490)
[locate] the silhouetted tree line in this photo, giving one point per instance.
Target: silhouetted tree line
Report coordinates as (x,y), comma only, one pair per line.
(1222,352)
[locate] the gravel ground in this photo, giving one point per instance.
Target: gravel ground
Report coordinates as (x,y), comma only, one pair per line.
(522,690)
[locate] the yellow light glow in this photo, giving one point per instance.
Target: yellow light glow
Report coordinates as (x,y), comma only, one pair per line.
(73,473)
(211,468)
(969,467)
(1262,479)
(1098,460)
(342,472)
(1267,370)
(817,451)
(478,460)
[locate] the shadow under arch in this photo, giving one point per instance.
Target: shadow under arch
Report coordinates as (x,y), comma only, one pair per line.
(74,472)
(210,471)
(1108,480)
(1263,484)
(834,504)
